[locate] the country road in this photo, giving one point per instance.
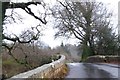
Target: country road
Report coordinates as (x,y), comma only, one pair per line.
(89,70)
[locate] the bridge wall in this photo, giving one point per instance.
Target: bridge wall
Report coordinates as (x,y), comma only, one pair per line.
(45,71)
(98,58)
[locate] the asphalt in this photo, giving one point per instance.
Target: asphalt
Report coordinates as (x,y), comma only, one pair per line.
(86,71)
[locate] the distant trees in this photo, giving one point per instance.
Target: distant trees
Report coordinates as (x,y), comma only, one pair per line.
(89,22)
(70,51)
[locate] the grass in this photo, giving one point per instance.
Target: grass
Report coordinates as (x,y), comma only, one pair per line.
(60,76)
(63,72)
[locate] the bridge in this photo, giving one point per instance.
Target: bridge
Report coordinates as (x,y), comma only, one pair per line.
(76,70)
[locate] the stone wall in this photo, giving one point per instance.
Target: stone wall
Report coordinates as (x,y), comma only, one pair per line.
(46,71)
(99,58)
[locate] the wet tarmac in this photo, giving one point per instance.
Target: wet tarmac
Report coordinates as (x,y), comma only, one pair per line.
(88,71)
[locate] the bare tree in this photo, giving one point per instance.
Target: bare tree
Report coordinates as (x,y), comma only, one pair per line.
(82,20)
(27,36)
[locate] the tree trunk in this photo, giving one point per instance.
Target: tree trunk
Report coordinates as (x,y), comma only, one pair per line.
(88,48)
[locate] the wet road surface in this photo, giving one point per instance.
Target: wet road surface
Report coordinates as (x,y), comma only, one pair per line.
(87,70)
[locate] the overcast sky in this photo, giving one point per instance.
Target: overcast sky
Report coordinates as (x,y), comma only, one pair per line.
(48,37)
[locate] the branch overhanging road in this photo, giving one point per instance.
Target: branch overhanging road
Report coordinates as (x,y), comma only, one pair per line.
(89,70)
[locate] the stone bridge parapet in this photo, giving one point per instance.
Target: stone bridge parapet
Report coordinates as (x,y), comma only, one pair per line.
(45,71)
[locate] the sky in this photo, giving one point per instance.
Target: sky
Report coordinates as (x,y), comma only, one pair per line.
(48,32)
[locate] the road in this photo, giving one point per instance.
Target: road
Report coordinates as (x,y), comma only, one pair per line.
(89,70)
